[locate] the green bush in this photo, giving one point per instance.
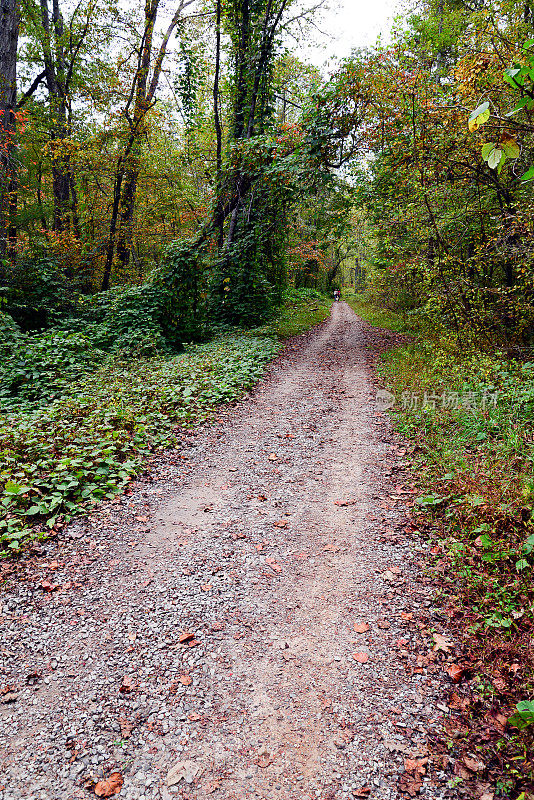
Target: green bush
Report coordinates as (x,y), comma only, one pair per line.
(60,459)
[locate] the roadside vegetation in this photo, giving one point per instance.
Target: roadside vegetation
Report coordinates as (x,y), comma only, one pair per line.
(469,417)
(70,440)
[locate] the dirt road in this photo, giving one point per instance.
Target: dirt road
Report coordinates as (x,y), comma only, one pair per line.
(238,626)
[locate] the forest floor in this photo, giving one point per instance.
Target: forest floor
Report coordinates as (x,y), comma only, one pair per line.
(250,620)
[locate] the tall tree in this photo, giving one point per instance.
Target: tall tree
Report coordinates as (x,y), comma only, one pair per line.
(9,34)
(140,99)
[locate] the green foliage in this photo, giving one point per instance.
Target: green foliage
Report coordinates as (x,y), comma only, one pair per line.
(34,292)
(302,308)
(36,369)
(524,717)
(60,459)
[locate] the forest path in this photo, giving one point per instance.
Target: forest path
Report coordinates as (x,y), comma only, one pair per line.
(268,541)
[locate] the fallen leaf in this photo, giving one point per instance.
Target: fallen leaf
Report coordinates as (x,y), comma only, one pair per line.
(187,680)
(182,770)
(185,637)
(344,502)
(361,627)
(127,684)
(361,658)
(194,716)
(110,786)
(282,523)
(49,587)
(364,791)
(441,643)
(474,765)
(272,457)
(455,673)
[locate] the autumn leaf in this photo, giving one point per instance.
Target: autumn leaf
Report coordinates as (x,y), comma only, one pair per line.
(110,786)
(186,637)
(361,627)
(361,658)
(441,643)
(187,680)
(455,673)
(282,523)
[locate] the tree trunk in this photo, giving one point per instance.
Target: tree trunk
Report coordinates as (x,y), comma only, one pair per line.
(9,33)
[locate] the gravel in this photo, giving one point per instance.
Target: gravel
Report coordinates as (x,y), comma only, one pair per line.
(238,538)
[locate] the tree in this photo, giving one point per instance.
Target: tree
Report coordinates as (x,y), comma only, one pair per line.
(9,33)
(140,99)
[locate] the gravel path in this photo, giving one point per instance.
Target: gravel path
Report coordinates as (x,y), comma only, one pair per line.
(245,622)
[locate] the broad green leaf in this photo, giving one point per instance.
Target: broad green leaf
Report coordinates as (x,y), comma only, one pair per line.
(479,116)
(511,148)
(522,103)
(494,158)
(486,149)
(529,174)
(481,109)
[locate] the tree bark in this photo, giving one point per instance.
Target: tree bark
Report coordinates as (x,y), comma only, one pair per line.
(9,33)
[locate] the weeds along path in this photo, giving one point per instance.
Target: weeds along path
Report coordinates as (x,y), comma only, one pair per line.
(238,626)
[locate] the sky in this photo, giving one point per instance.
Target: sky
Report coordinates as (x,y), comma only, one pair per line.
(348,24)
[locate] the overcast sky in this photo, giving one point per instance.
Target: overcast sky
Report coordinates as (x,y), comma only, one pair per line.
(351,23)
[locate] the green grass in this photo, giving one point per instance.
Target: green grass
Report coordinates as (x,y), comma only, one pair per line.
(474,467)
(71,443)
(303,312)
(362,305)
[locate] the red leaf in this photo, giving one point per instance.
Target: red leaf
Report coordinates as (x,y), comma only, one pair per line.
(110,786)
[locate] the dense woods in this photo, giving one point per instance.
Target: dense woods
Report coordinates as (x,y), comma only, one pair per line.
(178,189)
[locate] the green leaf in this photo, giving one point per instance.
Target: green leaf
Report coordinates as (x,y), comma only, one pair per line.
(479,116)
(529,174)
(524,716)
(511,148)
(479,111)
(521,564)
(486,149)
(494,158)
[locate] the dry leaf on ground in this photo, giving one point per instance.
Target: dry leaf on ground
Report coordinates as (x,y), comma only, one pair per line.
(109,786)
(361,658)
(455,673)
(361,627)
(441,643)
(187,680)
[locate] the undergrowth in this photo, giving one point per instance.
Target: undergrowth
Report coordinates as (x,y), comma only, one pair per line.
(78,422)
(470,418)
